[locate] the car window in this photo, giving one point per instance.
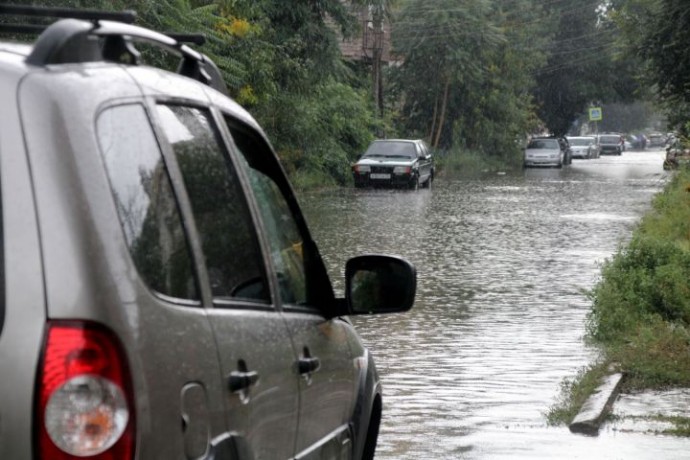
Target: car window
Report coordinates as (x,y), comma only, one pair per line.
(283,235)
(231,250)
(147,209)
(425,150)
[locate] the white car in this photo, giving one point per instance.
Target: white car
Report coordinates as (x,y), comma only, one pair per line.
(542,151)
(584,146)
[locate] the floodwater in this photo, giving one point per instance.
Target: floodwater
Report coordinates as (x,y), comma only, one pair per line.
(503,265)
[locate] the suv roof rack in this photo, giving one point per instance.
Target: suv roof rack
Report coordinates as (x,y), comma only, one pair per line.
(91,35)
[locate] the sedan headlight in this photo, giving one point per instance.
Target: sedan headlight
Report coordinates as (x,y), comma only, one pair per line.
(362,168)
(401,170)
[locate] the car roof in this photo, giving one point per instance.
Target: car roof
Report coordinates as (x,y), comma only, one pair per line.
(95,39)
(398,140)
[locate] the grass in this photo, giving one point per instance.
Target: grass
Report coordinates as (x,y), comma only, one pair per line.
(640,315)
(310,179)
(575,392)
(466,163)
(681,426)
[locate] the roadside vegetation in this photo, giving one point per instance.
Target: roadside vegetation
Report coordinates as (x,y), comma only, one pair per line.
(640,318)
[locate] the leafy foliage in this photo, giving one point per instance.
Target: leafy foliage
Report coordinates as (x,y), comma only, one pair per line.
(581,67)
(446,36)
(655,33)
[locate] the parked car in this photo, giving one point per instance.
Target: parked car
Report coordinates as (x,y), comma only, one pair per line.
(162,297)
(656,140)
(395,163)
(545,151)
(611,144)
(584,146)
(637,141)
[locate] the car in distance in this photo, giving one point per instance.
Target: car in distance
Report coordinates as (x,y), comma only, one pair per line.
(657,140)
(162,296)
(545,151)
(611,144)
(584,146)
(394,163)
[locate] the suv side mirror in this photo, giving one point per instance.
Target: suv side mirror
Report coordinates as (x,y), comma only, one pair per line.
(379,284)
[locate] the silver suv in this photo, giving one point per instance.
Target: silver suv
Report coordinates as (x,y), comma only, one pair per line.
(161,295)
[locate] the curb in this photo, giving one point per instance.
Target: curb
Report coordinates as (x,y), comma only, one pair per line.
(597,406)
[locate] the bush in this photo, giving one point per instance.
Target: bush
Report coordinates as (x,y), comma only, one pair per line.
(641,305)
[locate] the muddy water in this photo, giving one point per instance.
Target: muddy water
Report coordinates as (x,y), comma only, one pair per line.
(503,263)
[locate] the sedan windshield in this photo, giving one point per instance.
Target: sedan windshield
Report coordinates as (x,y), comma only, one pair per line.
(391,150)
(543,144)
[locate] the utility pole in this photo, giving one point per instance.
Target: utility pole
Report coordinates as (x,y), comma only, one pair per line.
(376,59)
(373,42)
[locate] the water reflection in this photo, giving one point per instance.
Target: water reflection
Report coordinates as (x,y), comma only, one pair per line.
(503,264)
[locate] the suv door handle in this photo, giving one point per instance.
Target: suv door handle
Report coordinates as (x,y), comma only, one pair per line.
(307,365)
(238,381)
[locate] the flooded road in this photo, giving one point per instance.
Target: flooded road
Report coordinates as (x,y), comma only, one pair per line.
(503,265)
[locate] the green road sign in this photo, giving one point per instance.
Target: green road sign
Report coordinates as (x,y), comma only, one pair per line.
(595,114)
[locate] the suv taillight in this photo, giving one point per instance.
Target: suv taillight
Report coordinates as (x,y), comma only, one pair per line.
(84,405)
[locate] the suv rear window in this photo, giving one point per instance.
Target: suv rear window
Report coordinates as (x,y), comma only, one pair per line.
(145,202)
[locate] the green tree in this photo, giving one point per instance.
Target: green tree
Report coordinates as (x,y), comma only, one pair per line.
(655,34)
(579,63)
(468,72)
(440,42)
(281,61)
(499,108)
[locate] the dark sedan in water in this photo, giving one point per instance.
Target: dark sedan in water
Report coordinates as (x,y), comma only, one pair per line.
(395,163)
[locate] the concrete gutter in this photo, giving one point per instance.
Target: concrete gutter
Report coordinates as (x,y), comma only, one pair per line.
(597,406)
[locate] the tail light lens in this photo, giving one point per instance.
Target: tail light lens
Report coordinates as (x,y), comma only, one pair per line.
(84,396)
